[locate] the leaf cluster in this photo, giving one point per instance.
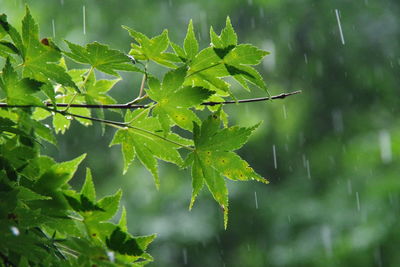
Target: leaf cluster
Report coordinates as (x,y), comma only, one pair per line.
(44,220)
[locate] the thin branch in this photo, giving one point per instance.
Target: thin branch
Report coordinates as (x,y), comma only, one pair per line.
(110,106)
(141,90)
(129,106)
(120,124)
(161,137)
(142,84)
(281,96)
(137,100)
(109,122)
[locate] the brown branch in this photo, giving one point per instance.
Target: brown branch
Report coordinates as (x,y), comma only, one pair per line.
(129,106)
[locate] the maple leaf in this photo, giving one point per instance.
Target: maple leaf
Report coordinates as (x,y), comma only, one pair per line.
(152,49)
(173,100)
(101,57)
(19,91)
(39,59)
(141,140)
(226,58)
(213,159)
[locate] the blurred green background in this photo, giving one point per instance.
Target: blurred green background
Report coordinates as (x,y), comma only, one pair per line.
(333,199)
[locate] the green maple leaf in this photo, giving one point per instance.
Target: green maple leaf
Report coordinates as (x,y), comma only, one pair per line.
(57,175)
(123,243)
(19,91)
(101,57)
(40,58)
(190,45)
(227,37)
(142,140)
(88,189)
(214,159)
(152,49)
(173,100)
(15,36)
(226,58)
(96,90)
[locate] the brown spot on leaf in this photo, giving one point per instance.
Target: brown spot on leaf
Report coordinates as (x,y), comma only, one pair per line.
(45,41)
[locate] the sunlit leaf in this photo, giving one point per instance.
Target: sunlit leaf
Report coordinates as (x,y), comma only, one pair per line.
(214,158)
(190,44)
(144,141)
(173,100)
(101,57)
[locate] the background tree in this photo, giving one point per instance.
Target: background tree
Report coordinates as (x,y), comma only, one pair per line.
(342,133)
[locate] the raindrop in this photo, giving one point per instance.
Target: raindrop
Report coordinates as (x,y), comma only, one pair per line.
(385,146)
(84,19)
(289,218)
(261,10)
(304,160)
(308,169)
(305,58)
(54,28)
(111,256)
(253,23)
(14,230)
(391,200)
(327,239)
(284,111)
(255,199)
(337,119)
(274,154)
(340,26)
(62,2)
(378,257)
(250,2)
(358,202)
(349,187)
(301,139)
(47,126)
(68,117)
(170,2)
(184,252)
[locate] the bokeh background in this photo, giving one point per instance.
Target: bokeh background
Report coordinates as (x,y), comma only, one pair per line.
(333,199)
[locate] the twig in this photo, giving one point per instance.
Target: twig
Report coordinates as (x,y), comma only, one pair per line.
(137,100)
(119,124)
(142,84)
(281,96)
(89,106)
(129,106)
